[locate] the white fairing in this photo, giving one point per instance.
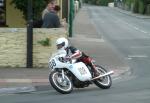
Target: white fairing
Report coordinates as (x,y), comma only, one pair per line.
(80,70)
(54,60)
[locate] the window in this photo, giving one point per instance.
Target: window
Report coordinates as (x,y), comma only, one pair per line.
(2,13)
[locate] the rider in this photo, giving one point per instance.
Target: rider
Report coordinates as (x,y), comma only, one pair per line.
(74,53)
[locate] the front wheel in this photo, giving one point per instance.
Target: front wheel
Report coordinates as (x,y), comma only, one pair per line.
(61,85)
(103,82)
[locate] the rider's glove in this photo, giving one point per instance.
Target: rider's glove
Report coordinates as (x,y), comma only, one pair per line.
(68,58)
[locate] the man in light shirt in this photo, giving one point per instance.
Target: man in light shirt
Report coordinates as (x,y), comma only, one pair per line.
(50,7)
(50,17)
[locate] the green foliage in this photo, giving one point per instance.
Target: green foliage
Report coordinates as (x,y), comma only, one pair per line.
(146,1)
(90,1)
(98,2)
(46,42)
(136,6)
(105,2)
(128,3)
(38,6)
(141,7)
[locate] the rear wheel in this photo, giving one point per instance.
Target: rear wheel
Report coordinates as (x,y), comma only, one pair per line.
(103,82)
(61,85)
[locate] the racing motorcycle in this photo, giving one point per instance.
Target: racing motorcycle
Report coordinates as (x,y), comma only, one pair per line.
(66,74)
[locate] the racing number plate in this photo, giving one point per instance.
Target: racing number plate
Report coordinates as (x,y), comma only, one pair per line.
(82,71)
(52,64)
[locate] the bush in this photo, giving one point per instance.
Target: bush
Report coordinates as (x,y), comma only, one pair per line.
(38,6)
(104,2)
(135,6)
(99,2)
(128,3)
(148,9)
(141,7)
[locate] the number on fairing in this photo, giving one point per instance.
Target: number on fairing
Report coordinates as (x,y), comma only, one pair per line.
(82,71)
(52,63)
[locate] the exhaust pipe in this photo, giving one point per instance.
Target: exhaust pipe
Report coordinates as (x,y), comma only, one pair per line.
(108,73)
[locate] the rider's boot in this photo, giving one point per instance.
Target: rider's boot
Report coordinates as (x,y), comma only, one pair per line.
(95,72)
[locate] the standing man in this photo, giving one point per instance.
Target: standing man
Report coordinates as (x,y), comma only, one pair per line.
(50,7)
(50,17)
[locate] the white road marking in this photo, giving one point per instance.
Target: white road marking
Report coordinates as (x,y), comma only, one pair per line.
(137,56)
(128,58)
(17,90)
(135,27)
(23,80)
(120,20)
(144,31)
(18,80)
(117,78)
(139,47)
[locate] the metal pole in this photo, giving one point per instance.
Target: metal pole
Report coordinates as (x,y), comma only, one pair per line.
(71,16)
(29,35)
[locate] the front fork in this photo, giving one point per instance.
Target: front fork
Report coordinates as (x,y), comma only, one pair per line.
(63,75)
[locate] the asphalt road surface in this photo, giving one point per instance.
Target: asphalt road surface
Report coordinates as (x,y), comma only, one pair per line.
(131,38)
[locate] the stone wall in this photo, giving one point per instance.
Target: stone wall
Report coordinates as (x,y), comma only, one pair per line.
(13,46)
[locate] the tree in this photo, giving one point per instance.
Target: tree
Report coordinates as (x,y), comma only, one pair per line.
(98,2)
(139,6)
(38,6)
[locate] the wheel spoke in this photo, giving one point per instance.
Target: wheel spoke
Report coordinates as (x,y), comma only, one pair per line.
(64,85)
(104,80)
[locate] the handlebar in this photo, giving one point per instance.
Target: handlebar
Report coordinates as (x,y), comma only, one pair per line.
(64,60)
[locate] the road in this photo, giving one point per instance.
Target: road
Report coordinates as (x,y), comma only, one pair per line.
(130,36)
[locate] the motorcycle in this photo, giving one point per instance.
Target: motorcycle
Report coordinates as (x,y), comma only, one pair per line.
(65,74)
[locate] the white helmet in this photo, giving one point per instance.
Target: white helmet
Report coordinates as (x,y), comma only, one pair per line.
(62,43)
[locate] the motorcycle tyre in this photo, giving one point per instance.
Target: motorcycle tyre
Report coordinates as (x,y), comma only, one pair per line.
(55,87)
(100,85)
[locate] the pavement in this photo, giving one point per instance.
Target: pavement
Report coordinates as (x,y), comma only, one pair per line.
(87,39)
